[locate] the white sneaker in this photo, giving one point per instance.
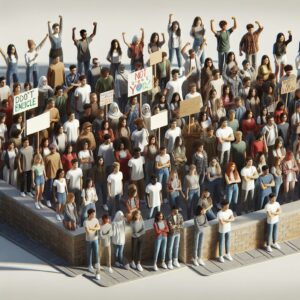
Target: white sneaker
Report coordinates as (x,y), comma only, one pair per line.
(221,259)
(139,268)
(229,257)
(195,262)
(126,267)
(176,263)
(97,276)
(170,265)
(37,205)
(109,270)
(30,194)
(49,203)
(269,249)
(91,269)
(133,265)
(164,266)
(58,218)
(276,246)
(155,268)
(105,207)
(97,266)
(201,262)
(41,205)
(23,194)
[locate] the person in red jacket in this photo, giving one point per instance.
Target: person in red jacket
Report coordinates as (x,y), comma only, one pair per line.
(161,230)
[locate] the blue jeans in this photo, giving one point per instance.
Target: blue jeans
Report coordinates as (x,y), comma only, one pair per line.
(92,248)
(193,198)
(163,175)
(160,246)
(12,71)
(252,58)
(48,189)
(114,204)
(232,193)
(210,215)
(81,65)
(198,244)
(152,210)
(272,233)
(178,55)
(85,209)
(173,246)
(101,190)
(262,200)
(174,198)
(32,69)
(215,188)
(118,249)
(196,44)
(221,60)
(223,236)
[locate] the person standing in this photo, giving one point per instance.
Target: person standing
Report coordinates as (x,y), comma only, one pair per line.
(265,184)
(55,40)
(249,43)
(153,195)
(175,224)
(83,50)
(223,40)
(225,217)
(273,211)
(92,226)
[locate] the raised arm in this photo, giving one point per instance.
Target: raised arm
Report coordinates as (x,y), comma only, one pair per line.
(123,35)
(73,34)
(94,31)
(163,38)
(4,55)
(60,24)
(184,49)
(49,28)
(41,44)
(212,27)
(234,27)
(143,35)
(290,38)
(170,20)
(260,27)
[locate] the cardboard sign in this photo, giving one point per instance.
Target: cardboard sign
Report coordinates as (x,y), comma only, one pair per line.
(155,58)
(189,107)
(140,81)
(106,98)
(159,120)
(38,123)
(26,101)
(289,85)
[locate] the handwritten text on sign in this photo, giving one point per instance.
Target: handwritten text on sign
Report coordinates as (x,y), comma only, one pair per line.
(106,98)
(139,81)
(289,85)
(25,101)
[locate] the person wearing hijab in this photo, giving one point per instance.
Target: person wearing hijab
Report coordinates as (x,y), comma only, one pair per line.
(118,239)
(45,92)
(114,115)
(120,85)
(146,115)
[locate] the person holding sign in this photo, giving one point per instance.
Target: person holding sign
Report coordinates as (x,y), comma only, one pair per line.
(83,50)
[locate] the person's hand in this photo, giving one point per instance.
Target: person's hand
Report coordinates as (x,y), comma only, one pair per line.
(188,43)
(289,32)
(47,35)
(171,15)
(123,33)
(49,22)
(233,18)
(141,29)
(162,34)
(60,16)
(212,21)
(74,28)
(256,22)
(95,23)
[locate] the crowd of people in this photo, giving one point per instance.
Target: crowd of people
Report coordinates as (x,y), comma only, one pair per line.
(238,154)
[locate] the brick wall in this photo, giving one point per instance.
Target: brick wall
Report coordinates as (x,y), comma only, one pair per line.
(247,231)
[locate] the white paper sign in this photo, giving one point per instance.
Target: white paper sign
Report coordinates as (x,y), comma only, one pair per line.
(106,98)
(159,120)
(38,123)
(26,101)
(140,81)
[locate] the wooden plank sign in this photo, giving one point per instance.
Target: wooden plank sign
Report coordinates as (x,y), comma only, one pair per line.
(106,98)
(289,85)
(155,58)
(26,101)
(159,120)
(189,107)
(38,123)
(140,81)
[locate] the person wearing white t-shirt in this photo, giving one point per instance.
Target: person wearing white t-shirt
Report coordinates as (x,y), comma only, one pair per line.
(60,192)
(225,217)
(106,150)
(137,169)
(139,137)
(4,89)
(153,195)
(82,94)
(249,174)
(71,128)
(172,133)
(74,181)
(217,83)
(225,136)
(115,189)
(175,84)
(273,211)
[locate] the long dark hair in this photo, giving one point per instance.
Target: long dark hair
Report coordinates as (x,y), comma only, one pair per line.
(262,61)
(156,219)
(9,50)
(178,31)
(196,21)
(112,47)
(153,35)
(228,55)
(58,173)
(279,35)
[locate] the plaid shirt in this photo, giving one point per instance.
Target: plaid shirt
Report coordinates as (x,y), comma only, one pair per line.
(249,42)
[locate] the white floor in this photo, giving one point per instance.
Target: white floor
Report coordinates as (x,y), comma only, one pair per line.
(24,277)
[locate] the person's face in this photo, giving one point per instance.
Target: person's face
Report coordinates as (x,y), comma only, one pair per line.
(137,154)
(13,50)
(18,89)
(72,116)
(26,144)
(56,60)
(116,169)
(56,29)
(214,162)
(163,151)
(247,66)
(116,45)
(95,62)
(92,215)
(175,27)
(94,98)
(122,147)
(266,60)
(225,207)
(90,183)
(152,141)
(199,23)
(162,99)
(153,181)
(73,71)
(70,149)
(2,83)
(273,199)
(156,38)
(250,115)
(87,130)
(266,171)
(175,76)
(224,124)
(192,54)
(200,148)
(134,101)
(101,161)
(174,212)
(281,39)
(20,119)
(271,121)
(106,125)
(250,163)
(180,142)
(83,81)
(84,35)
(250,30)
(173,125)
(61,174)
(232,168)
(11,146)
(75,165)
(124,122)
(160,217)
(206,194)
(60,92)
(193,89)
(279,144)
(86,146)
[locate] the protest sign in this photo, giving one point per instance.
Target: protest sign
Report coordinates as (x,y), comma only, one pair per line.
(189,107)
(155,58)
(38,123)
(25,101)
(106,98)
(159,120)
(140,81)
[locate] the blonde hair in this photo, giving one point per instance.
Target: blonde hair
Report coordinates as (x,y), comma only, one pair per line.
(36,158)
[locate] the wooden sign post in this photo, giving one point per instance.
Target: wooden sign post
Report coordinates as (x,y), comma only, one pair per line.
(159,120)
(155,58)
(139,82)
